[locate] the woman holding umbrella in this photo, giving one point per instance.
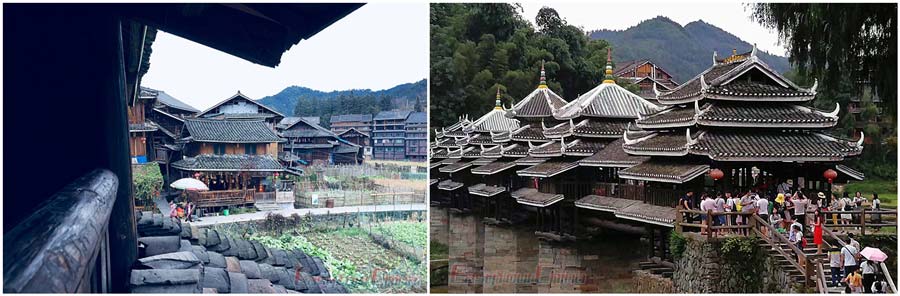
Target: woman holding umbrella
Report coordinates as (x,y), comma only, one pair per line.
(189,184)
(869,267)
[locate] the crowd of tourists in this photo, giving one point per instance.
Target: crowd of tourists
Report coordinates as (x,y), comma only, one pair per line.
(792,213)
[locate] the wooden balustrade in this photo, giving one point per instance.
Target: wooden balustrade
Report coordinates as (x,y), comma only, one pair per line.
(862,215)
(63,246)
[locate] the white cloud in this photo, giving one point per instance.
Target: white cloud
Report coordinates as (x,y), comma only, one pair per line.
(377,46)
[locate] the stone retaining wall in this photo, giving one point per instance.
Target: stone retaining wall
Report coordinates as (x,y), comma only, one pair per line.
(703,269)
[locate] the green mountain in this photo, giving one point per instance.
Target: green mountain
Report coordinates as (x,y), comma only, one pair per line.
(364,101)
(684,51)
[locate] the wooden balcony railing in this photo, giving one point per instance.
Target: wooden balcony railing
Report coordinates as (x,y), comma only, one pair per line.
(864,219)
(221,198)
(63,246)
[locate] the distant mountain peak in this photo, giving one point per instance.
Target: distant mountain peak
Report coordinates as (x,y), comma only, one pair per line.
(683,51)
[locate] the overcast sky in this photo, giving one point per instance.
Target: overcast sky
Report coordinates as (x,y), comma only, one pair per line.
(730,16)
(377,46)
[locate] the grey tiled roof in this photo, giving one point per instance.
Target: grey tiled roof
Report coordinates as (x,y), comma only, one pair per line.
(351,118)
(495,120)
(230,131)
(229,163)
(675,116)
(165,99)
(141,127)
(784,115)
(492,168)
(661,143)
(613,156)
(539,103)
(529,133)
(387,115)
(540,199)
(485,190)
(417,117)
(604,203)
(548,168)
(668,171)
(720,80)
(608,100)
(788,145)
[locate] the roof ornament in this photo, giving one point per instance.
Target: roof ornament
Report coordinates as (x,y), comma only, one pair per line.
(609,78)
(715,57)
(627,140)
(571,126)
(753,51)
(703,85)
(543,76)
(543,126)
(862,137)
(690,141)
(562,147)
(696,109)
(497,102)
(530,146)
(833,114)
(814,86)
(481,146)
(655,91)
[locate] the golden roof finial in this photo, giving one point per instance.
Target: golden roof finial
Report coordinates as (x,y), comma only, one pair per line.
(497,102)
(609,70)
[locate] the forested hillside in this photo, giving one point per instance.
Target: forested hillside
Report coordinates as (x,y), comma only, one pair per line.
(683,51)
(476,48)
(302,101)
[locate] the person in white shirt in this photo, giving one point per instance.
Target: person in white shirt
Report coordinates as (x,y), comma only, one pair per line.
(730,207)
(848,259)
(800,203)
(868,274)
(708,204)
(834,261)
(719,208)
(762,206)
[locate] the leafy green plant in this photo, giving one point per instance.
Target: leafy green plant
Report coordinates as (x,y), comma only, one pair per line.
(147,181)
(677,244)
(412,233)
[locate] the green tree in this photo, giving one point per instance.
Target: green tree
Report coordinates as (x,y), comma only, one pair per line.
(147,182)
(418,106)
(839,41)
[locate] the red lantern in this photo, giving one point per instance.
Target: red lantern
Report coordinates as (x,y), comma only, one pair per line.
(830,175)
(716,174)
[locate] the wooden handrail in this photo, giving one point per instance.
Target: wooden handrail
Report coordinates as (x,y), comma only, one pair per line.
(887,278)
(802,262)
(59,247)
(820,277)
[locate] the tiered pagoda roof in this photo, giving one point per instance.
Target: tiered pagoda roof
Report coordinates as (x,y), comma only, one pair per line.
(586,126)
(738,110)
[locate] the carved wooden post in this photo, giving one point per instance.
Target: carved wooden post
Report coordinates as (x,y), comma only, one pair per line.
(808,267)
(753,225)
(862,221)
(709,224)
(679,217)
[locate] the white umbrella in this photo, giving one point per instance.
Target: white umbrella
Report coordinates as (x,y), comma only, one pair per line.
(189,184)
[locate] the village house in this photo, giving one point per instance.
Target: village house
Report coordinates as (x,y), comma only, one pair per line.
(360,122)
(646,74)
(313,144)
(240,106)
(416,136)
(388,135)
(235,158)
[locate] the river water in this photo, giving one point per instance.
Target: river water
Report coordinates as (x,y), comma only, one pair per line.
(511,259)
